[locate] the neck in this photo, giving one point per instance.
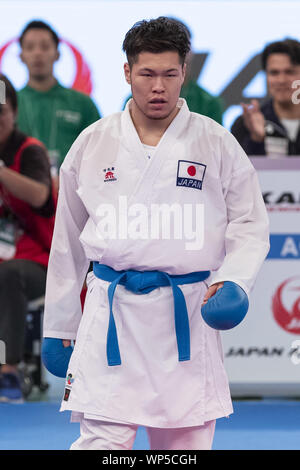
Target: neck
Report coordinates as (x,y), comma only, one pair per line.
(43,84)
(287,110)
(150,131)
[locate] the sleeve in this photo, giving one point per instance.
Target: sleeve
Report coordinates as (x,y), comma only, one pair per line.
(247,232)
(35,164)
(90,114)
(68,264)
(216,110)
(241,133)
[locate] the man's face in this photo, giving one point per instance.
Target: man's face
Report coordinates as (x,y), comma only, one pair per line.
(39,53)
(280,75)
(156,81)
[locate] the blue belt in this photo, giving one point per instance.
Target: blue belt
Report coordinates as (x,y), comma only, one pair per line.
(143,282)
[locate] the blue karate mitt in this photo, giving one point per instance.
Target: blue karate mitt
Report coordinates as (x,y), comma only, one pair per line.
(55,356)
(227,308)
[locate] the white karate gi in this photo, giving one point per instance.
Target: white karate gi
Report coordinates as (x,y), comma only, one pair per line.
(151,387)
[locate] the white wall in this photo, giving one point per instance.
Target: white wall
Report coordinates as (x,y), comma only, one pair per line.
(231,31)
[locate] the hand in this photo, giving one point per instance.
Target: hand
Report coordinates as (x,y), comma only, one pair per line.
(56,354)
(211,291)
(254,120)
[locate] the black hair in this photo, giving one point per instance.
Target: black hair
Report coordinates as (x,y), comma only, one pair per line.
(183,25)
(38,24)
(10,92)
(288,46)
(156,35)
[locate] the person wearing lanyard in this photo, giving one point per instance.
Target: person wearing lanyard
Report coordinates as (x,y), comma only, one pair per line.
(176,242)
(48,111)
(26,224)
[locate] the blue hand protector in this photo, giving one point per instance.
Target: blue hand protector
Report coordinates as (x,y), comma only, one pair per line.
(55,356)
(227,308)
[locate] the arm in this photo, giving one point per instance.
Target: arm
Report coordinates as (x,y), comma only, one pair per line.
(24,188)
(241,129)
(254,121)
(246,244)
(90,113)
(68,264)
(216,110)
(247,235)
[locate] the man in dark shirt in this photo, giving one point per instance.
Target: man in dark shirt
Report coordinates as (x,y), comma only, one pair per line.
(27,212)
(273,129)
(34,164)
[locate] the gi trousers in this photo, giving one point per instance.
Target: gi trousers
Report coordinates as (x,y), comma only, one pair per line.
(20,282)
(102,435)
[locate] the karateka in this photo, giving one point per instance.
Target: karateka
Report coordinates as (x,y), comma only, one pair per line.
(146,352)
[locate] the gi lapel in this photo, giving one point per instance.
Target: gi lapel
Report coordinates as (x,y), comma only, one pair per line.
(150,170)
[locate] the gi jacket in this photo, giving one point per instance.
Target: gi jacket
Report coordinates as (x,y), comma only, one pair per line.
(110,195)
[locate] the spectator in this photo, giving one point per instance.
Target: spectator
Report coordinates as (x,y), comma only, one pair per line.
(48,111)
(273,128)
(26,225)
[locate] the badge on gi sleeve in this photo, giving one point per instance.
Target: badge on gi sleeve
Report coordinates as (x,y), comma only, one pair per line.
(190,174)
(68,387)
(67,394)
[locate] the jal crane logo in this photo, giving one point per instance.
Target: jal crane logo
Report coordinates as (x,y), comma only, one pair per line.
(286,305)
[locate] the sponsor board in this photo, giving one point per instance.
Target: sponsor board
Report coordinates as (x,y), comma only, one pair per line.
(262,354)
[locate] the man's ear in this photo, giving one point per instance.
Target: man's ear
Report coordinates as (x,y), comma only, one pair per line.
(127,73)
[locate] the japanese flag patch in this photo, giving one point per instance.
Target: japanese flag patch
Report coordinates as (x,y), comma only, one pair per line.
(190,174)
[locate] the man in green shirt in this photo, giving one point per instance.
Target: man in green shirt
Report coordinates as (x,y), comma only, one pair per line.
(199,100)
(46,110)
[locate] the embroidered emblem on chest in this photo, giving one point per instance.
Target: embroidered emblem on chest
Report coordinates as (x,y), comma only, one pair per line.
(190,174)
(109,174)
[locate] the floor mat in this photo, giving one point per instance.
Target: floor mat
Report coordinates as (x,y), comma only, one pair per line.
(261,425)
